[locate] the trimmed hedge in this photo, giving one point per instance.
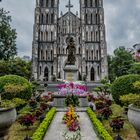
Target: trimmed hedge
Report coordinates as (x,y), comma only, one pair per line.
(103,134)
(22,87)
(124,85)
(40,132)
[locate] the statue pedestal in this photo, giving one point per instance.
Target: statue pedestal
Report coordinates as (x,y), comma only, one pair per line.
(71,73)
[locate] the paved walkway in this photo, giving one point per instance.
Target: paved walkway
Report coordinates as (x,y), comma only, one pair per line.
(57,128)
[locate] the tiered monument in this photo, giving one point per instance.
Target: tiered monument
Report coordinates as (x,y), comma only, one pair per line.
(69,46)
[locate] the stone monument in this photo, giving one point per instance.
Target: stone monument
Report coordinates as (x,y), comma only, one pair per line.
(70,69)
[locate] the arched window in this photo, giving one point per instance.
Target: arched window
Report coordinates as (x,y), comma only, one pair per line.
(97,18)
(98,70)
(41,55)
(87,54)
(79,50)
(96,3)
(52,3)
(41,36)
(51,55)
(92,74)
(47,18)
(86,36)
(46,74)
(51,36)
(92,54)
(91,18)
(40,70)
(41,3)
(46,55)
(79,40)
(52,18)
(96,35)
(86,70)
(85,3)
(47,3)
(86,18)
(91,3)
(52,70)
(97,54)
(42,19)
(59,50)
(46,35)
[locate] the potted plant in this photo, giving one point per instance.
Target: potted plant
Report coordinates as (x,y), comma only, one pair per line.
(134,110)
(7,117)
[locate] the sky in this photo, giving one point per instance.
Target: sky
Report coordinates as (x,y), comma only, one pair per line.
(122,20)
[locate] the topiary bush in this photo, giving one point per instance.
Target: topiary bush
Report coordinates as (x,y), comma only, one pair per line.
(13,86)
(124,85)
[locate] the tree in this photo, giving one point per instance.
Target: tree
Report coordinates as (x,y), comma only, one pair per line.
(135,68)
(120,63)
(7,36)
(15,66)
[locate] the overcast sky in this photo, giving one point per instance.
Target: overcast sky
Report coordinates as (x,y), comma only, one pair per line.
(122,19)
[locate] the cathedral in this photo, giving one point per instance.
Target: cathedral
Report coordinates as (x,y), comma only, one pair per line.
(53,31)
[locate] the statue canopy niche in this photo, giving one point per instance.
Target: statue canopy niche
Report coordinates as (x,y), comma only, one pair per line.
(71,49)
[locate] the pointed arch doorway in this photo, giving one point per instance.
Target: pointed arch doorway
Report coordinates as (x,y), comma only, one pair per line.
(46,74)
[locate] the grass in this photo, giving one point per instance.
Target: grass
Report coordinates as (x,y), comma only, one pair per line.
(19,132)
(128,132)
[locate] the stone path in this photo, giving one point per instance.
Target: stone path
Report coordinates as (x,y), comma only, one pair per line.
(57,128)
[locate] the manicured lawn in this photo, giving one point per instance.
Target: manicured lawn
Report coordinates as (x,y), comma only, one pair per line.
(128,132)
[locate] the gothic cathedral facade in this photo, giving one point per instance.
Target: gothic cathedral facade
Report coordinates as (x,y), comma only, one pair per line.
(50,39)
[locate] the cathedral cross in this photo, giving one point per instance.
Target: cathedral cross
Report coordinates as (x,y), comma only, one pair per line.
(69,6)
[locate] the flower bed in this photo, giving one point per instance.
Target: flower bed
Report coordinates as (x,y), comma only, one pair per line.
(98,126)
(71,119)
(39,133)
(72,88)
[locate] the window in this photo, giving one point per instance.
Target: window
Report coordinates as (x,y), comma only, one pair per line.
(86,18)
(96,2)
(51,55)
(46,55)
(92,76)
(92,54)
(40,70)
(86,36)
(52,3)
(85,3)
(47,18)
(52,70)
(47,3)
(42,18)
(46,74)
(98,70)
(91,3)
(52,18)
(51,36)
(41,3)
(46,35)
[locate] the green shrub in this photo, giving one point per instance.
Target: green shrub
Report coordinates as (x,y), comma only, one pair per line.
(72,100)
(124,85)
(13,86)
(104,135)
(130,99)
(40,132)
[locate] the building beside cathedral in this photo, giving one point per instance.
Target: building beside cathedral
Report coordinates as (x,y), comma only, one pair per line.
(52,32)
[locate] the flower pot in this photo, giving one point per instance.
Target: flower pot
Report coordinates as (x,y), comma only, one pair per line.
(7,117)
(134,118)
